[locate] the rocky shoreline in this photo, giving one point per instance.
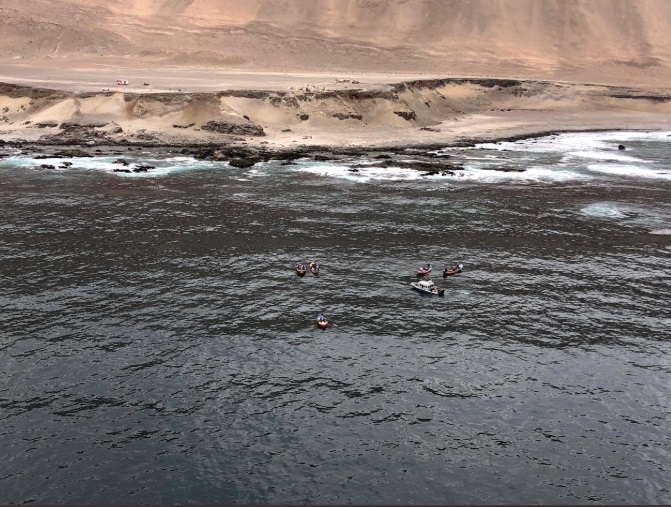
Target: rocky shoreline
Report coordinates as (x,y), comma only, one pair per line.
(426,160)
(385,123)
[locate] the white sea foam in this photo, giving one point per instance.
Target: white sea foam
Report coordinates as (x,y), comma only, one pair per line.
(574,157)
(633,171)
(529,175)
(575,147)
(163,166)
(470,173)
(257,173)
(606,156)
(578,142)
(661,232)
(603,210)
(364,174)
(583,156)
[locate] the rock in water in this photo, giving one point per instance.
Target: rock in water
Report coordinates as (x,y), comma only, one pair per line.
(241,162)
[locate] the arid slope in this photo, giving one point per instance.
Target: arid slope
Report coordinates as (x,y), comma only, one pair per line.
(609,41)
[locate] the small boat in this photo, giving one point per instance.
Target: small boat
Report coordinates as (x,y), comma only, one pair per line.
(300,269)
(322,322)
(424,270)
(314,267)
(427,287)
(453,270)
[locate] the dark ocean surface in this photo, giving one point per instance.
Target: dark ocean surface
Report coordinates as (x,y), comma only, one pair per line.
(156,345)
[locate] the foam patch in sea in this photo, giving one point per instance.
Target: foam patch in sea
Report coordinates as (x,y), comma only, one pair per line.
(161,165)
(365,174)
(470,173)
(629,170)
(585,155)
(604,210)
(581,144)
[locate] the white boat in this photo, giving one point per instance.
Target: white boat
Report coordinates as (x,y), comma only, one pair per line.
(427,287)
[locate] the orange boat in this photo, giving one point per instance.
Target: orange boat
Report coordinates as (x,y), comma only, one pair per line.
(424,270)
(453,270)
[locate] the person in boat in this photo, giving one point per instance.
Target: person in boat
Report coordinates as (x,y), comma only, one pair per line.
(321,317)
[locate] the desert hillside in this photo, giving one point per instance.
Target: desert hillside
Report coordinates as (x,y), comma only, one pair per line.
(412,113)
(609,41)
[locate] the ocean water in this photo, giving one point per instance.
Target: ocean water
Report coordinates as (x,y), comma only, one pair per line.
(156,345)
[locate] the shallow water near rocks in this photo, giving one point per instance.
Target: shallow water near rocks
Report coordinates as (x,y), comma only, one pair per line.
(156,345)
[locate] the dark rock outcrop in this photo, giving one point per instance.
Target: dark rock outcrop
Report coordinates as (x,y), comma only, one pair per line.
(347,116)
(143,168)
(242,162)
(238,129)
(504,169)
(218,156)
(439,83)
(46,124)
(67,125)
(406,115)
(72,153)
(651,98)
(429,167)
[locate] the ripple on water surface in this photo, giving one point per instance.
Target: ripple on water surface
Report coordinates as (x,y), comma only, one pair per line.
(157,345)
